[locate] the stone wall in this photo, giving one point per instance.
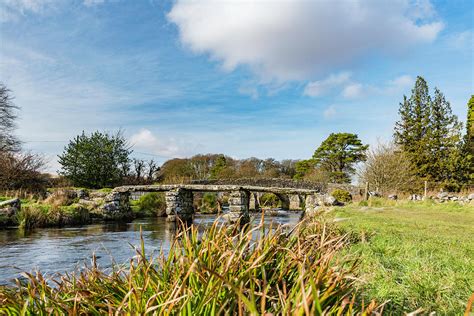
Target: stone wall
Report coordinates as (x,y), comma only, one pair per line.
(134,196)
(117,206)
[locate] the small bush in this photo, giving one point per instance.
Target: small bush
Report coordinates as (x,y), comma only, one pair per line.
(342,196)
(61,197)
(105,190)
(209,203)
(33,215)
(75,214)
(269,200)
(153,203)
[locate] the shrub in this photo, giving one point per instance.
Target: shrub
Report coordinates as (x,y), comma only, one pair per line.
(22,171)
(61,197)
(153,203)
(269,200)
(209,203)
(342,196)
(34,215)
(97,160)
(75,214)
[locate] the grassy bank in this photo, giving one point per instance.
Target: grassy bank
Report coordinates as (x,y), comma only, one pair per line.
(224,270)
(413,254)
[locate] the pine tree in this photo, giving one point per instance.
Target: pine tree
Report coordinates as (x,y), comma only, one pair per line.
(444,139)
(470,126)
(469,141)
(338,154)
(412,128)
(430,134)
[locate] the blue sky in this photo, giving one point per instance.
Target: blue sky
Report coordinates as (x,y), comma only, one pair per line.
(247,78)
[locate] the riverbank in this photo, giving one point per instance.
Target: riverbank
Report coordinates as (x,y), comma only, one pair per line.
(412,254)
(221,269)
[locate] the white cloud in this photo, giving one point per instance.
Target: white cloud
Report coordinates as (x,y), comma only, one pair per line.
(349,88)
(330,112)
(320,87)
(353,90)
(146,141)
(249,90)
(294,40)
(462,40)
(12,10)
(400,83)
(90,3)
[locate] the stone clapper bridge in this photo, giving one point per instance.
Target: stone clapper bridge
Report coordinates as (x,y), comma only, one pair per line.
(243,195)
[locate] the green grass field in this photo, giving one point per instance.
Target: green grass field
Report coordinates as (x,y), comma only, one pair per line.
(413,255)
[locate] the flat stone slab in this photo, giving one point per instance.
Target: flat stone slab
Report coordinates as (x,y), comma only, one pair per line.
(12,202)
(213,188)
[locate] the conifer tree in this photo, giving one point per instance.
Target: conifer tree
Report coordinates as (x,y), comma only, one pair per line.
(444,139)
(412,128)
(469,141)
(338,154)
(430,134)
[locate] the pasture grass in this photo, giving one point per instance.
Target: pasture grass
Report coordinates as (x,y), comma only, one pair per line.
(413,254)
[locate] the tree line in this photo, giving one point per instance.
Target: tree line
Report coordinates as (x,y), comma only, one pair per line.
(428,145)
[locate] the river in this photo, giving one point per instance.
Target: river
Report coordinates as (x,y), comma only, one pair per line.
(67,249)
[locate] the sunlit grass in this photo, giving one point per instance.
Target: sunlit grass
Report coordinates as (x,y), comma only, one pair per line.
(224,270)
(413,254)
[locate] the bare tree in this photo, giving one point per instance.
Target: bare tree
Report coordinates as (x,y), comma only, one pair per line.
(138,165)
(387,169)
(22,171)
(152,170)
(8,141)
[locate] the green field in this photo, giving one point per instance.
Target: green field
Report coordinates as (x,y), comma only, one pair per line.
(413,255)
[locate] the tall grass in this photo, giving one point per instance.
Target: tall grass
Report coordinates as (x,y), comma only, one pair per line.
(45,215)
(221,271)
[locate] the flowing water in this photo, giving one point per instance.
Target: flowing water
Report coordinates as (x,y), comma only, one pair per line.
(67,249)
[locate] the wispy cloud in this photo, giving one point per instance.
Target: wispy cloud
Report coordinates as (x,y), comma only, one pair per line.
(353,90)
(166,147)
(349,88)
(90,3)
(321,87)
(330,112)
(461,40)
(13,10)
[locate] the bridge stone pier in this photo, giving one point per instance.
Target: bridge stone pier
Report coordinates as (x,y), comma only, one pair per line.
(296,202)
(239,206)
(179,198)
(179,203)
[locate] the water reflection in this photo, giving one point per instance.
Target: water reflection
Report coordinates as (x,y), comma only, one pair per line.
(66,249)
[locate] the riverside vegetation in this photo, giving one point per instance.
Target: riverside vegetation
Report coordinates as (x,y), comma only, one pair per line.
(415,256)
(365,257)
(224,270)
